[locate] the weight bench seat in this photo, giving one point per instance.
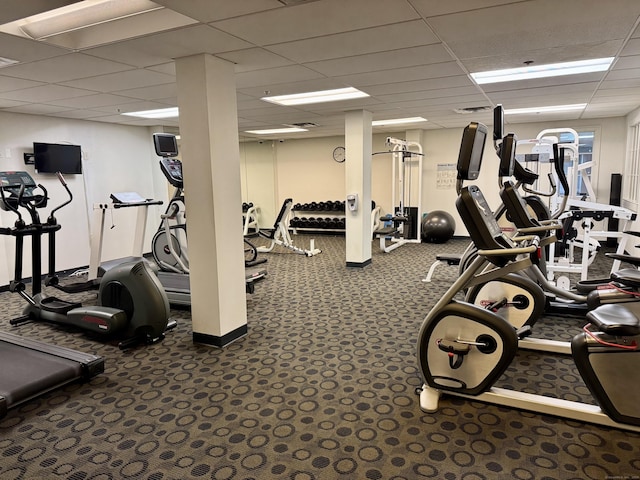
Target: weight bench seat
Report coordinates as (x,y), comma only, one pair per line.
(627,276)
(451,259)
(617,319)
(386,231)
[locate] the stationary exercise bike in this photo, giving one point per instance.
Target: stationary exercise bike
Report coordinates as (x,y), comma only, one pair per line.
(131,302)
(528,293)
(463,349)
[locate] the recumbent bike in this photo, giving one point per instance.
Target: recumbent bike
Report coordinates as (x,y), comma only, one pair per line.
(463,349)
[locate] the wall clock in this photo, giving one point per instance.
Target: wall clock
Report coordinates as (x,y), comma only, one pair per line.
(339,154)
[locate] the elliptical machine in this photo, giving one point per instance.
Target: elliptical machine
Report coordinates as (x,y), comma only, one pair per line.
(463,349)
(131,302)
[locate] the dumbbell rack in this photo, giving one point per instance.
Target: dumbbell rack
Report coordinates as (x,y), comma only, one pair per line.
(249,218)
(327,216)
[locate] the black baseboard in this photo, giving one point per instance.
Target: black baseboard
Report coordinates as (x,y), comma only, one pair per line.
(358,264)
(222,341)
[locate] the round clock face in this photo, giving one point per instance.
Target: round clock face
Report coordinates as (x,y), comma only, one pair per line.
(339,154)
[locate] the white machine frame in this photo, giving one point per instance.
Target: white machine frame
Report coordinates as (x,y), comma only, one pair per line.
(250,220)
(97,231)
(279,235)
(402,173)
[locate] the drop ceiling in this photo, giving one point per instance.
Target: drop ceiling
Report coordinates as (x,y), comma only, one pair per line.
(413,57)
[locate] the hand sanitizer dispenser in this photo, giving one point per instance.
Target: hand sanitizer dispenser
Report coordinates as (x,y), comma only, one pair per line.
(352,202)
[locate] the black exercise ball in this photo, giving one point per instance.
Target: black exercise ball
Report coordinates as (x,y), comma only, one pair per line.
(438,227)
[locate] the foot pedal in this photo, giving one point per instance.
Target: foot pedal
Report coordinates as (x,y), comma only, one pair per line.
(495,306)
(524,332)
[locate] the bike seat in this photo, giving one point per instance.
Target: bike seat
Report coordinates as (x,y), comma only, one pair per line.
(627,276)
(617,319)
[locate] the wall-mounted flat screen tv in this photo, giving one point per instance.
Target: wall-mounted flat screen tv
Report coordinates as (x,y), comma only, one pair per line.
(57,157)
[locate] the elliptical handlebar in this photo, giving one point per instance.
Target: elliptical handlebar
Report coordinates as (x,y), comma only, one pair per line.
(9,205)
(558,163)
(52,219)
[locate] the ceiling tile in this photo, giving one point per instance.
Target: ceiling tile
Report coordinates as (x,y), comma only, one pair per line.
(164,47)
(63,68)
(442,83)
(152,92)
(207,11)
(121,80)
(254,59)
(469,33)
(93,101)
(11,83)
(45,93)
(359,42)
(35,109)
(372,62)
(422,72)
(315,19)
(273,76)
(25,50)
(10,11)
(434,8)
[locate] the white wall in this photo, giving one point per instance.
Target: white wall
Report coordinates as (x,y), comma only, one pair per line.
(121,158)
(306,172)
(116,158)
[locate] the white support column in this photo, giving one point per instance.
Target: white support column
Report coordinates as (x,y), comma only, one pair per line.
(358,182)
(211,166)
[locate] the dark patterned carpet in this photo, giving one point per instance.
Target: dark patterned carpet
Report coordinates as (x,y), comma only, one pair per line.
(322,387)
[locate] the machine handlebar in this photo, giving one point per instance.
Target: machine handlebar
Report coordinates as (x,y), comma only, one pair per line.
(52,219)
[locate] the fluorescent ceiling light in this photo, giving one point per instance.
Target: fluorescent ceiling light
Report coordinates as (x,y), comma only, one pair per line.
(398,121)
(5,62)
(551,108)
(170,112)
(316,97)
(277,130)
(541,71)
(80,15)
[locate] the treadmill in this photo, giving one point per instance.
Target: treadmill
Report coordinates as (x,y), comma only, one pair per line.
(173,272)
(31,368)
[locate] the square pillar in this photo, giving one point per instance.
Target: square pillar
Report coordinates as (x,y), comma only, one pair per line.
(358,146)
(211,169)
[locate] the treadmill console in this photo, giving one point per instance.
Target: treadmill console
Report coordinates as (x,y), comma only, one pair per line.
(172,169)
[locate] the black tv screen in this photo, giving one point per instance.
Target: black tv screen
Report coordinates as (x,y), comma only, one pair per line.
(57,157)
(471,150)
(166,144)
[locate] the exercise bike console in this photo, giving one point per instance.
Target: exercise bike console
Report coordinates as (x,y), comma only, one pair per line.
(172,169)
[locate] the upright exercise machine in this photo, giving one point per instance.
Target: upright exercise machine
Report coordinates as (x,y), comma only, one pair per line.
(132,304)
(463,349)
(406,172)
(169,244)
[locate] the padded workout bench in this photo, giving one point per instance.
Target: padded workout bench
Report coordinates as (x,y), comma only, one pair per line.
(279,234)
(451,260)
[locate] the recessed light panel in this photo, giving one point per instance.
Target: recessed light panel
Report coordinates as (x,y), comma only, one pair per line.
(398,121)
(274,131)
(322,96)
(171,112)
(541,71)
(547,109)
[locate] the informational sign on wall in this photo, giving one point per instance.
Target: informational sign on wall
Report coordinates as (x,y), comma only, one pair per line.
(446,176)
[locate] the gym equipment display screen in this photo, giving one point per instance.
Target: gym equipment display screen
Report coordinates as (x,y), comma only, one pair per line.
(166,144)
(57,157)
(471,150)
